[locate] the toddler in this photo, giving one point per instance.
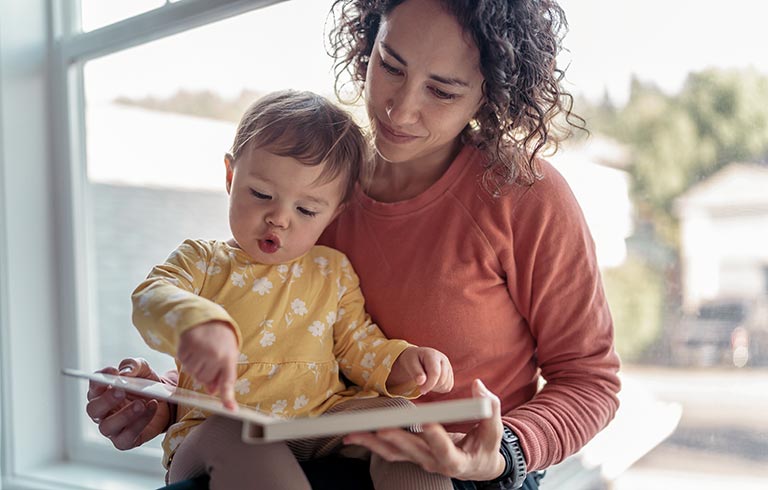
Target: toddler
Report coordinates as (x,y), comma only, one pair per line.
(271,320)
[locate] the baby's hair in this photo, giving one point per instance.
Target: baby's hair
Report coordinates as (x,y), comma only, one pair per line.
(309,128)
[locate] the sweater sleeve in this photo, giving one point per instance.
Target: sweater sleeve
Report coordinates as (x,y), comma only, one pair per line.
(554,279)
(167,303)
(364,354)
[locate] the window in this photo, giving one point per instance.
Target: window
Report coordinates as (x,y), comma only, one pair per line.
(114,117)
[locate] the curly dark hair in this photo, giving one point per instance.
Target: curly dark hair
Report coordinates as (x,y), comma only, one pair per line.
(519,41)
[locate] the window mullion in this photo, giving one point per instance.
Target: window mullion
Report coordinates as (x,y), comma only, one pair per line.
(158,23)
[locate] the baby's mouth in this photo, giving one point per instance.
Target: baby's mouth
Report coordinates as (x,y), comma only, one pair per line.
(269,244)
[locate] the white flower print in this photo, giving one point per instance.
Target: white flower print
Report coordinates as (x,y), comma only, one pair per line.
(288,319)
(342,290)
(179,295)
(297,270)
(300,402)
(330,318)
(377,342)
(145,298)
(279,406)
(242,358)
(363,332)
(317,328)
(154,338)
(387,361)
(282,271)
(299,307)
(201,266)
(340,314)
(262,286)
(322,264)
(273,370)
(172,318)
(237,279)
(344,262)
(368,360)
(174,442)
(352,325)
(365,375)
(267,339)
(267,323)
(243,386)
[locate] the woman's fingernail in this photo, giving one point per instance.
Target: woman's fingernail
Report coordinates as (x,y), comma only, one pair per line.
(126,370)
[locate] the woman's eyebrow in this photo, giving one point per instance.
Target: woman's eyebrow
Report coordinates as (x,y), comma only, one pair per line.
(438,78)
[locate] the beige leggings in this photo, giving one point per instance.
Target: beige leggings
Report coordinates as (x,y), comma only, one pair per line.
(215,448)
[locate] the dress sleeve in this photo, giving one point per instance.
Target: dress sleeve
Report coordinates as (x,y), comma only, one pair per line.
(167,303)
(554,279)
(364,354)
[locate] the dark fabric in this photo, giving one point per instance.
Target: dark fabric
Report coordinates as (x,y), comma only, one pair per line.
(328,473)
(323,474)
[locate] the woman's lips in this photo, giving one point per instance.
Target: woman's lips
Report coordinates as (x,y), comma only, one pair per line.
(269,244)
(394,136)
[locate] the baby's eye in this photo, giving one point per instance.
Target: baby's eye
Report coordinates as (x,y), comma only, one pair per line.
(307,212)
(389,68)
(260,195)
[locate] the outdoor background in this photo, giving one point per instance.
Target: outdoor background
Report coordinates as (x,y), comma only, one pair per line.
(672,177)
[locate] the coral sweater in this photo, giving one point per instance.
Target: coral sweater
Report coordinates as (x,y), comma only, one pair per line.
(508,288)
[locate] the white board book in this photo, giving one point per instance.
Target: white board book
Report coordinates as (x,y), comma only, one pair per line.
(260,427)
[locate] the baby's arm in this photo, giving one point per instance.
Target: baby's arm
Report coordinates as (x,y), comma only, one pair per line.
(173,318)
(208,352)
(428,368)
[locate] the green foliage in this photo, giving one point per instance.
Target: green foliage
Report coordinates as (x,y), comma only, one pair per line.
(636,296)
(718,117)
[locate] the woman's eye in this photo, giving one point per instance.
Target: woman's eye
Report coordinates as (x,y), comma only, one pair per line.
(260,195)
(442,95)
(307,212)
(389,68)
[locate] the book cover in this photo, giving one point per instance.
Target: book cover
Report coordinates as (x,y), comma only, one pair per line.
(258,426)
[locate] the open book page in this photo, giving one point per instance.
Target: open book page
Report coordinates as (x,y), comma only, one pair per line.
(259,426)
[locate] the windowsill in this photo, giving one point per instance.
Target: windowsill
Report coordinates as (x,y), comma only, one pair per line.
(81,476)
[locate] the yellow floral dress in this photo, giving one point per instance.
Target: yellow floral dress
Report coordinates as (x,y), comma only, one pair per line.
(298,325)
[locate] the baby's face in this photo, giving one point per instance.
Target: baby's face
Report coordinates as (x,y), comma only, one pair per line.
(277,209)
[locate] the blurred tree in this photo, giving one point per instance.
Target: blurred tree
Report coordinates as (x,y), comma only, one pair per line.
(718,117)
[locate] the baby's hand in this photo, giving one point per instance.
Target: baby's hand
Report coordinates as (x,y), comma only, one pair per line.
(209,353)
(430,369)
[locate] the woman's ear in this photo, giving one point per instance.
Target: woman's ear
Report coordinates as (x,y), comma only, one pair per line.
(341,207)
(228,161)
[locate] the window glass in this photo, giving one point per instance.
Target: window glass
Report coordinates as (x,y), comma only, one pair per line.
(673,182)
(159,119)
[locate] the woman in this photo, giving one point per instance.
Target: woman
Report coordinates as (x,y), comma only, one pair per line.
(464,239)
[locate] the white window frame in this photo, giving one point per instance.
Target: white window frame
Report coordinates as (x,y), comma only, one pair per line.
(44,238)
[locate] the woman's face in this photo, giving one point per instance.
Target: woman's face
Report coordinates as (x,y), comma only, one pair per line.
(423,84)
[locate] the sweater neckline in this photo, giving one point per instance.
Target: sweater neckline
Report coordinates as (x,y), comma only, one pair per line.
(431,194)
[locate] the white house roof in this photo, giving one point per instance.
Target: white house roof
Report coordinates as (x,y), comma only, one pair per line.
(738,185)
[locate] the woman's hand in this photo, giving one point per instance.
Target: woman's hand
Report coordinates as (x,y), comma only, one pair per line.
(475,456)
(125,419)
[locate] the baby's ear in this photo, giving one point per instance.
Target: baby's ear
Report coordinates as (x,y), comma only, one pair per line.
(228,161)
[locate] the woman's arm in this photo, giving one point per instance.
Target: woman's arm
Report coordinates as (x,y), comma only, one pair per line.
(126,420)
